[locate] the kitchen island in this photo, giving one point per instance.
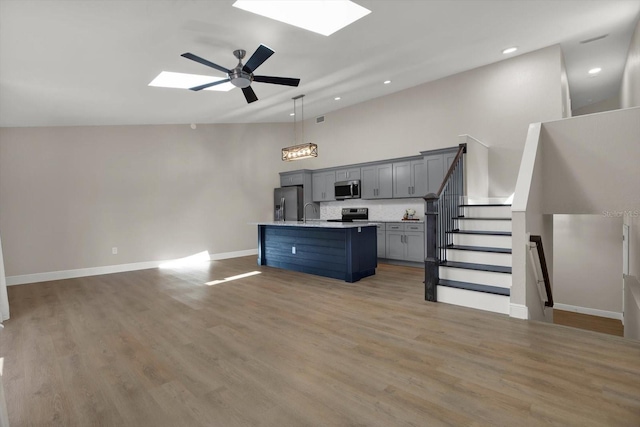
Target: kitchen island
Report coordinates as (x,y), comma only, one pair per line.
(341,250)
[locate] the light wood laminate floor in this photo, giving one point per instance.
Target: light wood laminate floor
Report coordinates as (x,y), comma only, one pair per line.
(588,322)
(159,348)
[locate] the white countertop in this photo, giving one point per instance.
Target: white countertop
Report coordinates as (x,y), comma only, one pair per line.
(318,224)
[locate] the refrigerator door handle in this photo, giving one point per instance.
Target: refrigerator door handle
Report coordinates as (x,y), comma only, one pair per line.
(282,211)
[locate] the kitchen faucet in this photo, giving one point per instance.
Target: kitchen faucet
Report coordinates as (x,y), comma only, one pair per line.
(304,211)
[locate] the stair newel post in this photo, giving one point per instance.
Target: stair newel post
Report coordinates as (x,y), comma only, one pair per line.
(431,262)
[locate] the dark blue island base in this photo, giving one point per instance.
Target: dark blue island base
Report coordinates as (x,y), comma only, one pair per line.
(346,253)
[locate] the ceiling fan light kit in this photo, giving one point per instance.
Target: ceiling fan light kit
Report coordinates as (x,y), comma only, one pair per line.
(242,75)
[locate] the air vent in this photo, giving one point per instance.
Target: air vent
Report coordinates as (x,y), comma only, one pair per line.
(319,119)
(594,39)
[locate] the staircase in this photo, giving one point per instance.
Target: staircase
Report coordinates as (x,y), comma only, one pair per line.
(477,270)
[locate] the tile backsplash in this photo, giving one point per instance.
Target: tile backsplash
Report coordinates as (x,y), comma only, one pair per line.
(379,210)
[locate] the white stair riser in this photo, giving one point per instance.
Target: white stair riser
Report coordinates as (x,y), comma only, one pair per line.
(482,240)
(488,211)
(502,280)
(472,299)
(479,225)
(490,258)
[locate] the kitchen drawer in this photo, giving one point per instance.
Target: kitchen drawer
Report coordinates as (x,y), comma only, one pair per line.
(381,226)
(414,227)
(395,226)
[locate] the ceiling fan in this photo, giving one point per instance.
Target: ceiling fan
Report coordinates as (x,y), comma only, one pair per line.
(242,75)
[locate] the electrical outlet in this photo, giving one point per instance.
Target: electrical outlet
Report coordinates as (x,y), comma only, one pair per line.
(293,250)
(114,251)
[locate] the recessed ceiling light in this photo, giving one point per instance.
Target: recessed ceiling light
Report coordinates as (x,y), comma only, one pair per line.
(186,81)
(292,114)
(509,50)
(595,71)
(320,16)
(387,82)
(337,98)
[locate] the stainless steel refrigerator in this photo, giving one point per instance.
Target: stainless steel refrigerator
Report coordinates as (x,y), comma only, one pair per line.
(288,204)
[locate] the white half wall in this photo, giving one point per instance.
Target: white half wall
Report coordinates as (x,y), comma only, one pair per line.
(590,164)
(587,251)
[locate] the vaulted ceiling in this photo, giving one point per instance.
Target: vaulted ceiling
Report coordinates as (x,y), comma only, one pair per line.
(89,62)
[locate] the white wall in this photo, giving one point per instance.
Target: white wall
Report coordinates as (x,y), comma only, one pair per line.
(612,103)
(494,104)
(70,194)
(587,251)
(590,163)
(630,88)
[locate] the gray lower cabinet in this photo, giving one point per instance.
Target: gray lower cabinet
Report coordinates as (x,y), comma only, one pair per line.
(405,242)
(382,240)
(410,179)
(323,186)
(377,181)
(348,174)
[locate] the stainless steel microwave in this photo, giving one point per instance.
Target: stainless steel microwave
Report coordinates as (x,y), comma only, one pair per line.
(347,190)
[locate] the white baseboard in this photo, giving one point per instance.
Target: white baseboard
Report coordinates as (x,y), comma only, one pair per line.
(590,311)
(237,254)
(518,311)
(108,269)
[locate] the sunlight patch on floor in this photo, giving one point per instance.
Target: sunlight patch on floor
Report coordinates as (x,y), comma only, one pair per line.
(191,260)
(229,279)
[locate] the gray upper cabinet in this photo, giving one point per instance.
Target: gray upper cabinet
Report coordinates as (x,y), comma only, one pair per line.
(347,174)
(291,178)
(323,186)
(377,182)
(410,179)
(435,172)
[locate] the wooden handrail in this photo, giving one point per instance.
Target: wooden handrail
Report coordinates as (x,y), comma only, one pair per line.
(545,272)
(462,148)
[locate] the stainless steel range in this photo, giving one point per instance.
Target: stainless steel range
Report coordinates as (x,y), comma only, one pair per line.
(351,214)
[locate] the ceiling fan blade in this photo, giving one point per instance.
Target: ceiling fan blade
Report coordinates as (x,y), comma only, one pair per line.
(249,94)
(261,54)
(203,61)
(277,80)
(219,82)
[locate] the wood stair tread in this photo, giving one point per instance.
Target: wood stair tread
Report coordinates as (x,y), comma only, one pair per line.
(475,287)
(477,267)
(479,249)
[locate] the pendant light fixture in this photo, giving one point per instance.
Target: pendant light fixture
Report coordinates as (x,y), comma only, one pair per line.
(300,151)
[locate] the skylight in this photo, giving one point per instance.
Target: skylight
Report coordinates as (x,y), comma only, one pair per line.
(320,16)
(186,81)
